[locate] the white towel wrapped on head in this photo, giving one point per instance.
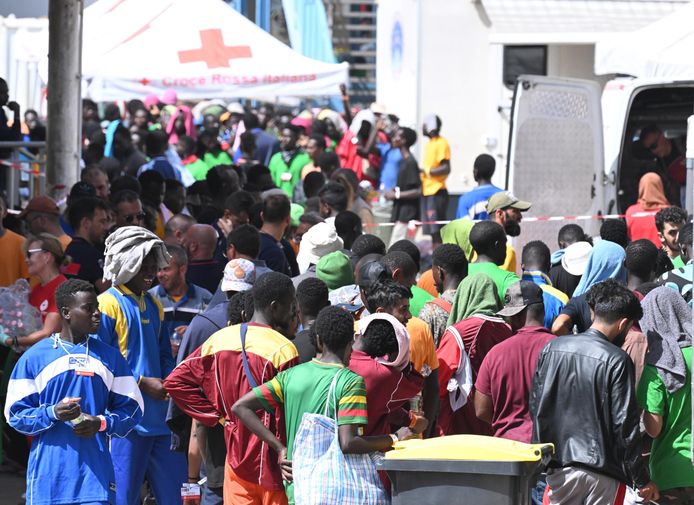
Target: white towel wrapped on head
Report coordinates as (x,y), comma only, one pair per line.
(127,248)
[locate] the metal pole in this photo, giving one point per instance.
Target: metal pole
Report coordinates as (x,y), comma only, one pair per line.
(64,95)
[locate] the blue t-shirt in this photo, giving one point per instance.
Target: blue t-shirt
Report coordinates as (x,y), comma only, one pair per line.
(473,204)
(390,163)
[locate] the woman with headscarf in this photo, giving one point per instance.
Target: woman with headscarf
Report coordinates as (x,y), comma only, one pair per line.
(381,355)
(665,394)
(641,215)
(473,330)
(181,123)
(606,261)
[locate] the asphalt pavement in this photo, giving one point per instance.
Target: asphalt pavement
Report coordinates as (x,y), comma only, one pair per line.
(12,486)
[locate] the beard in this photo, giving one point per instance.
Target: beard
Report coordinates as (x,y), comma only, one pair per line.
(512,228)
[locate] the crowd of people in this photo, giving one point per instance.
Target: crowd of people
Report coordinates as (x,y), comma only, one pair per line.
(217,298)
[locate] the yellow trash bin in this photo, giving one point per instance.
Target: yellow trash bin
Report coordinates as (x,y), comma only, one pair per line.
(464,469)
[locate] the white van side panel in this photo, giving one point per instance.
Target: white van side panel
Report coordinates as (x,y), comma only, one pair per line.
(556,152)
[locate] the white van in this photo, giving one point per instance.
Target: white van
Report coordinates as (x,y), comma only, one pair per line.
(575,152)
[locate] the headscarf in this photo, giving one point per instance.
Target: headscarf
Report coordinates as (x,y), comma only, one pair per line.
(476,294)
(401,335)
(651,192)
(126,249)
(458,232)
(606,261)
(667,323)
(181,110)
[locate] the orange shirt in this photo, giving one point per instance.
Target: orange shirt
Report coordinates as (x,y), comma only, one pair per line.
(422,347)
(13,265)
(426,282)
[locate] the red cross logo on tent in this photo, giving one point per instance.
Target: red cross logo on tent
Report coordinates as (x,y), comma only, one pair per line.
(213,51)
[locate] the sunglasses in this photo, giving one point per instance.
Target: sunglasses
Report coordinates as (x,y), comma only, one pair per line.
(134,217)
(33,251)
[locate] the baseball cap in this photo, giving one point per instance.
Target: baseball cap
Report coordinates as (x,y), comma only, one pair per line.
(575,258)
(335,270)
(81,189)
(505,199)
(372,272)
(43,204)
(518,296)
(239,275)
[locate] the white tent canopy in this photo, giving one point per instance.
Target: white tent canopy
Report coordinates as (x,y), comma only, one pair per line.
(199,48)
(662,49)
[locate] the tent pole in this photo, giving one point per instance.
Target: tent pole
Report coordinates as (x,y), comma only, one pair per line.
(64,97)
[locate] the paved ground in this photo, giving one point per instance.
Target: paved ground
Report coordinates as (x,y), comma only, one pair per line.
(11,489)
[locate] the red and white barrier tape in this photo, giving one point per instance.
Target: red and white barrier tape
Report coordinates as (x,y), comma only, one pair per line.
(529,219)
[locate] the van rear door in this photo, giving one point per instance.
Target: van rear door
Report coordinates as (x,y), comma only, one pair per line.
(556,158)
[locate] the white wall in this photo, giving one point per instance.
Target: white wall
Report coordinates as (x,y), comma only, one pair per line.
(456,65)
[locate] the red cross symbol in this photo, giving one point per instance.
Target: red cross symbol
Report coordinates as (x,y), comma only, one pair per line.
(213,51)
(144,81)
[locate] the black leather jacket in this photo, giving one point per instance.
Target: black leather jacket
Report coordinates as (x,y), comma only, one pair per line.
(583,401)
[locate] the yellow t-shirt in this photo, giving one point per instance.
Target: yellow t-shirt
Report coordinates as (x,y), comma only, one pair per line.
(436,151)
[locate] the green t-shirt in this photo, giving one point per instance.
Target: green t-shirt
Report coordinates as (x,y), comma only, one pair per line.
(670,461)
(678,262)
(287,177)
(304,389)
(502,278)
(221,159)
(419,300)
(198,169)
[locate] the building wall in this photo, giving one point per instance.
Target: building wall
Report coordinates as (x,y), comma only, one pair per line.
(456,66)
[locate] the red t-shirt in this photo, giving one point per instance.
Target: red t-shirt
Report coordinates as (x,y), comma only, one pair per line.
(506,376)
(43,296)
(642,226)
(387,392)
(479,335)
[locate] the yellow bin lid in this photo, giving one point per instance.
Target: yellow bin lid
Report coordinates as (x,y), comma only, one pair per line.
(468,448)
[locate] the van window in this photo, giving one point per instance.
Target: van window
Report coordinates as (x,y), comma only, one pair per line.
(519,60)
(668,108)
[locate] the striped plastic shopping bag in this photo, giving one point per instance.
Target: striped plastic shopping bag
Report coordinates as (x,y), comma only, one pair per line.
(323,474)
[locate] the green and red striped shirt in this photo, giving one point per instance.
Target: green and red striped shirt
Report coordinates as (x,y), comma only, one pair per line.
(304,389)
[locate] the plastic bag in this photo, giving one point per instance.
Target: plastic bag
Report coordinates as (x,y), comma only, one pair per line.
(323,474)
(17,316)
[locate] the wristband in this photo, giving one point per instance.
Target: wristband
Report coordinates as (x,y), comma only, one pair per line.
(193,479)
(15,341)
(103,423)
(397,192)
(394,438)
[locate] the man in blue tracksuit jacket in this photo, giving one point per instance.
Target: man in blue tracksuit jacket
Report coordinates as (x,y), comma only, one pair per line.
(131,321)
(70,392)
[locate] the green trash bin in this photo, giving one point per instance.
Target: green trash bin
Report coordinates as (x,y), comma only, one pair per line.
(464,469)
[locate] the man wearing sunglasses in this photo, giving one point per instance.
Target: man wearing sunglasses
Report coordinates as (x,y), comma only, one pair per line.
(670,155)
(128,209)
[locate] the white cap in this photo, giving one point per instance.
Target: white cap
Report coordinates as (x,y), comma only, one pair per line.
(239,275)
